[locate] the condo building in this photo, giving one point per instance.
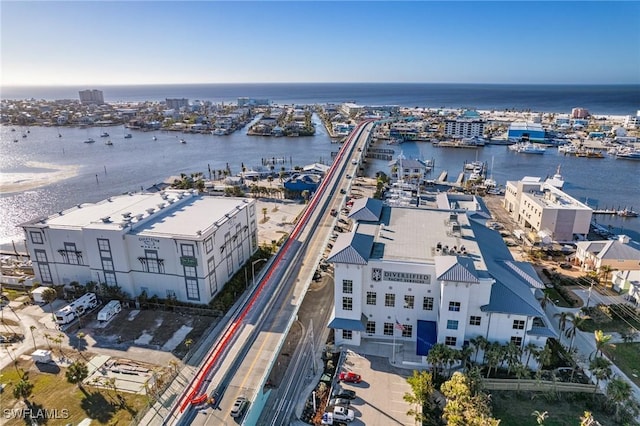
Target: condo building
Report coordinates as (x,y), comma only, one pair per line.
(464,128)
(173,243)
(91,97)
(426,276)
(542,209)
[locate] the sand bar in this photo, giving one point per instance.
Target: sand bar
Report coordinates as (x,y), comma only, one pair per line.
(24,181)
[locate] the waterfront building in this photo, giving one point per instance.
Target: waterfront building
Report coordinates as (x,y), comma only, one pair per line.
(423,276)
(521,130)
(580,113)
(540,207)
(176,103)
(409,170)
(632,121)
(617,254)
(244,101)
(350,109)
(91,97)
(172,243)
(464,127)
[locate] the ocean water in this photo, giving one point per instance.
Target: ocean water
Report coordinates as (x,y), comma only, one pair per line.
(100,171)
(599,99)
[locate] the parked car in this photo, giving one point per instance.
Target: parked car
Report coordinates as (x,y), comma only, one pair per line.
(344,394)
(334,212)
(343,191)
(239,407)
(343,414)
(350,377)
(339,402)
(566,266)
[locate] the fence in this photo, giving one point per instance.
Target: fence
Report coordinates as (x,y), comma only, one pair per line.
(538,386)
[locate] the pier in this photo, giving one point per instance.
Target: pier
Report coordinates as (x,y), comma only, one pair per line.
(620,212)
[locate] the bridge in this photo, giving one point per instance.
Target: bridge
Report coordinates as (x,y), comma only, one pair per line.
(245,350)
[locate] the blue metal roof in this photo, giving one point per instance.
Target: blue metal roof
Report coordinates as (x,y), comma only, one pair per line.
(348,323)
(456,268)
(366,210)
(507,301)
(543,332)
(352,248)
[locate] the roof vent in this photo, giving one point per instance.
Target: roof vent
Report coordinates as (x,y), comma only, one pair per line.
(160,206)
(105,219)
(139,217)
(126,214)
(151,210)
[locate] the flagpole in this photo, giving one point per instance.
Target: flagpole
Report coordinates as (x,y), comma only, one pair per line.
(393,348)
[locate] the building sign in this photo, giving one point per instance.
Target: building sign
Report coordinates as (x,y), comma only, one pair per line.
(188,261)
(407,277)
(149,243)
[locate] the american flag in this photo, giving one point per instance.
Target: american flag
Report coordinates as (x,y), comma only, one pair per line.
(399,326)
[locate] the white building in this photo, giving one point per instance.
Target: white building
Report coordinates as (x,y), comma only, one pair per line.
(350,109)
(91,97)
(464,128)
(540,207)
(436,275)
(172,243)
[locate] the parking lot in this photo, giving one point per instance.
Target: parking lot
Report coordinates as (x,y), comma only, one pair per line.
(379,395)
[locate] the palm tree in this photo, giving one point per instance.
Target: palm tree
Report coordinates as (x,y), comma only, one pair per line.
(601,369)
(521,371)
(562,321)
(587,419)
(544,301)
(493,356)
(32,328)
(619,391)
(577,321)
(23,388)
(76,373)
(437,357)
(544,356)
(604,273)
(480,343)
(602,341)
(464,355)
(422,389)
(531,349)
(540,416)
(512,353)
(49,295)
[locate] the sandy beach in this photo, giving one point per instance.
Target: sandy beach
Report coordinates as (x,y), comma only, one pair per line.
(17,182)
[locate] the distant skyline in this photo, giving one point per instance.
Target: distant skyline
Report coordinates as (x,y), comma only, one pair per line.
(96,43)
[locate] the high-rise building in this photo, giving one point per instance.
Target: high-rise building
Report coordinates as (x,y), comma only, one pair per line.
(88,97)
(177,103)
(580,113)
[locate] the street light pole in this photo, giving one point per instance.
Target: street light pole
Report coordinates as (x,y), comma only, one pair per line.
(589,296)
(253,270)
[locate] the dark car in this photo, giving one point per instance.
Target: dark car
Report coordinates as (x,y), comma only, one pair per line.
(344,394)
(334,212)
(340,402)
(343,191)
(566,266)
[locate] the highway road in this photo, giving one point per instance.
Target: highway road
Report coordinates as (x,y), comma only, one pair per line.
(240,361)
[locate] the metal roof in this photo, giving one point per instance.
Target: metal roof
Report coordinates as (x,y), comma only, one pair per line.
(351,248)
(455,268)
(348,323)
(366,210)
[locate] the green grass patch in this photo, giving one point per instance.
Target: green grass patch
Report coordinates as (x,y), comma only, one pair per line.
(610,318)
(557,298)
(514,410)
(625,356)
(51,391)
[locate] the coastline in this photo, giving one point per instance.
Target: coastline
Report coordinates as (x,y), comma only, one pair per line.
(25,181)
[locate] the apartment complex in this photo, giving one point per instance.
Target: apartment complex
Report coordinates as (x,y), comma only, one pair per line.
(91,97)
(541,207)
(170,243)
(176,103)
(464,128)
(430,276)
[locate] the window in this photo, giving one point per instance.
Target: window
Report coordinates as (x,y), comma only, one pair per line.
(110,278)
(407,330)
(103,245)
(452,325)
(213,284)
(518,324)
(43,266)
(36,237)
(70,254)
(454,306)
(347,334)
(389,300)
(208,245)
(151,263)
(409,301)
(427,304)
(371,327)
(475,320)
(347,303)
(347,286)
(107,264)
(190,271)
(41,256)
(192,288)
(388,329)
(517,340)
(371,297)
(450,341)
(187,249)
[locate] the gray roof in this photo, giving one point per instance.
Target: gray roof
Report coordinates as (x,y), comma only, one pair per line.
(348,323)
(366,210)
(455,268)
(507,299)
(352,248)
(611,249)
(542,331)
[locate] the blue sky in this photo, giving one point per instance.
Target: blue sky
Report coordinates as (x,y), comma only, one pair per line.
(72,43)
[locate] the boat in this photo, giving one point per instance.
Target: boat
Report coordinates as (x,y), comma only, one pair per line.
(183,141)
(589,153)
(628,213)
(628,154)
(219,132)
(528,148)
(567,149)
(557,180)
(109,142)
(15,140)
(127,136)
(90,140)
(104,135)
(24,135)
(154,138)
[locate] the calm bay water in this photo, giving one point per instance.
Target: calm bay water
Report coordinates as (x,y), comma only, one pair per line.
(132,164)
